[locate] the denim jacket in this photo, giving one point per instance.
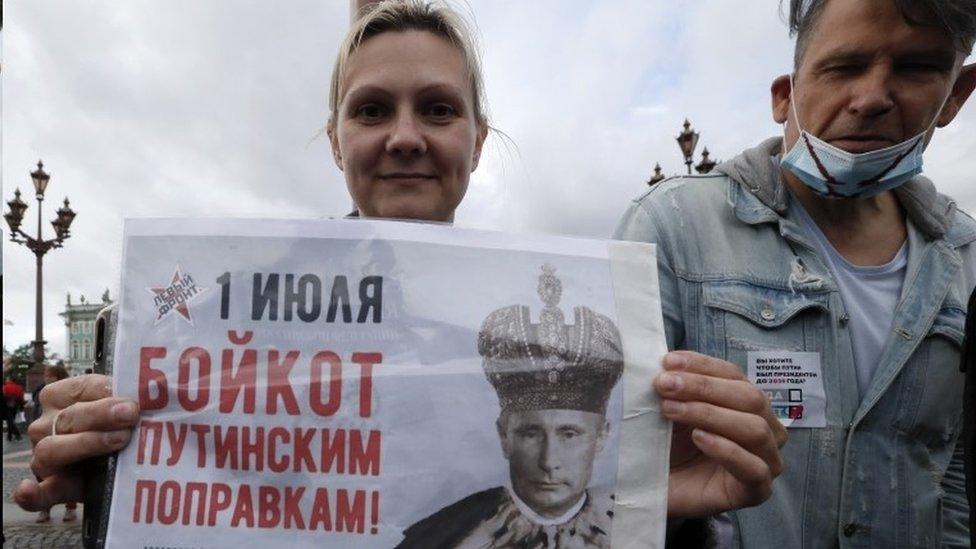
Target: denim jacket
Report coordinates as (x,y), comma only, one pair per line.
(738,274)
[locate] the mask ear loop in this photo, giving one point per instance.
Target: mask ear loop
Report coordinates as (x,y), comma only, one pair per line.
(795,115)
(938,113)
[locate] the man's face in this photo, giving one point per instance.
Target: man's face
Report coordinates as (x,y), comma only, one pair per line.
(870,80)
(550,455)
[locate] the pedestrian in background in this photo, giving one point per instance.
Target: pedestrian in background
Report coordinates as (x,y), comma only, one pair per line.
(13,402)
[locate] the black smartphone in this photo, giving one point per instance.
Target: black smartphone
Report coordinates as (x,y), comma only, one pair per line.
(99,473)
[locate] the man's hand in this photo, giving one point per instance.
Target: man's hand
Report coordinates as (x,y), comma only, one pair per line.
(725,443)
(92,423)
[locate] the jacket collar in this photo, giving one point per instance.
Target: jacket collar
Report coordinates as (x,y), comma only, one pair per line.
(762,197)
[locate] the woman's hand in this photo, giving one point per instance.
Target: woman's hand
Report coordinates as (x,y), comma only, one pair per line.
(725,443)
(91,423)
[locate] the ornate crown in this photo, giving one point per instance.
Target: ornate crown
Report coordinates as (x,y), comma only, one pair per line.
(551,365)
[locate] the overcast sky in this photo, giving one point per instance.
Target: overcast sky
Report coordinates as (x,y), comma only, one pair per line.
(215,107)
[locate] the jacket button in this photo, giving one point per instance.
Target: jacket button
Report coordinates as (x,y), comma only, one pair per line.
(850,529)
(767,314)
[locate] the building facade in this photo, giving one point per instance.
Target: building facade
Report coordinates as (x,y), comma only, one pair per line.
(79,320)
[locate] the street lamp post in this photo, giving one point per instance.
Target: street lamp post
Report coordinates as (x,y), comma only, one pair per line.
(40,247)
(688,140)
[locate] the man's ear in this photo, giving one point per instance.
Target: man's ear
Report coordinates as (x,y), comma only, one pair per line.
(502,426)
(330,130)
(782,96)
(961,91)
(478,144)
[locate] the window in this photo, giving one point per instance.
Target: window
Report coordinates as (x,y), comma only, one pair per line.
(74,350)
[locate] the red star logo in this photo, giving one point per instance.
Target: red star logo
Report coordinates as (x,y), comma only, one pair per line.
(175,297)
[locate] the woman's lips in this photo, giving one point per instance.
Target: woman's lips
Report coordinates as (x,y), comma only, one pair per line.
(407,178)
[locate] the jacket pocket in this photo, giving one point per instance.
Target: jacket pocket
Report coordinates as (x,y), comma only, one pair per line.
(742,317)
(930,387)
(950,324)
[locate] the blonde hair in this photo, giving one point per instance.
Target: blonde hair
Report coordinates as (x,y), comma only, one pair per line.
(434,17)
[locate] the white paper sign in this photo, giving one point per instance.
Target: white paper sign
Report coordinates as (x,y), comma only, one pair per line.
(380,384)
(793,382)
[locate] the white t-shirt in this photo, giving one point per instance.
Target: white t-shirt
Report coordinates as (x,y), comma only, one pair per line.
(870,295)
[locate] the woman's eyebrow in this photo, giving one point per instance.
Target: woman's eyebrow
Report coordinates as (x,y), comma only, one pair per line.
(440,88)
(367,90)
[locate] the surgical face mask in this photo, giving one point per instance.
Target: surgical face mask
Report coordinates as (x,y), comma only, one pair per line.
(836,173)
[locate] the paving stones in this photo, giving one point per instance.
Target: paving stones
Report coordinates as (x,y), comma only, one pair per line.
(42,536)
(19,531)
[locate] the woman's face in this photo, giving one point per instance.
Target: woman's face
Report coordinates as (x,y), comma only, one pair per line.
(405,133)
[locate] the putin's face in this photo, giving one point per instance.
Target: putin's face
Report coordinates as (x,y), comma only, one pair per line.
(550,455)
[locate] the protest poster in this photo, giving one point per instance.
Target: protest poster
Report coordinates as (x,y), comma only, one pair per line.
(355,383)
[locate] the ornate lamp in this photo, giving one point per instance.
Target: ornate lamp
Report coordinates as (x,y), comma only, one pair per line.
(706,165)
(63,223)
(657,177)
(16,214)
(688,140)
(41,179)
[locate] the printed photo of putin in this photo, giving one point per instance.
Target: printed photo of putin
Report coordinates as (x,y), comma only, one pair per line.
(553,382)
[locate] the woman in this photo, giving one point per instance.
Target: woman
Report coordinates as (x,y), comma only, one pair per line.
(407,128)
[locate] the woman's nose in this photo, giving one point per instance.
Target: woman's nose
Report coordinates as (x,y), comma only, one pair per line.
(406,137)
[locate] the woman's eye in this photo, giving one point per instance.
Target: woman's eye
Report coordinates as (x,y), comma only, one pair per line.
(441,110)
(370,111)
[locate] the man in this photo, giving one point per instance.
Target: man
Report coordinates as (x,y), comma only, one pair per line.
(824,249)
(553,382)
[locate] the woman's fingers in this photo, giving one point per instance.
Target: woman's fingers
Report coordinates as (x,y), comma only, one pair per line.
(748,431)
(753,475)
(55,453)
(33,496)
(64,393)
